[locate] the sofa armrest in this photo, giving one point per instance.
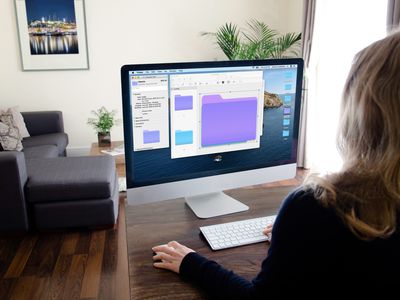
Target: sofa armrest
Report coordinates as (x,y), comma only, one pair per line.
(13,177)
(43,122)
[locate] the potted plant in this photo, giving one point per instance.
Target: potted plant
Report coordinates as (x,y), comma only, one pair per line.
(258,41)
(103,122)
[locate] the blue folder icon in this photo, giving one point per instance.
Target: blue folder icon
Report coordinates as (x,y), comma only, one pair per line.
(183,137)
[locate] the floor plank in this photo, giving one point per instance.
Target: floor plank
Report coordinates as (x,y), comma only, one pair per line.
(23,288)
(107,280)
(8,248)
(83,243)
(59,276)
(21,257)
(122,273)
(6,285)
(41,288)
(44,255)
(69,243)
(73,284)
(91,280)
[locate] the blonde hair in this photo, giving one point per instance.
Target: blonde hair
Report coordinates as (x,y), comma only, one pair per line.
(366,192)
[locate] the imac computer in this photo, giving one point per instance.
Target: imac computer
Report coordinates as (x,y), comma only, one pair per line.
(195,129)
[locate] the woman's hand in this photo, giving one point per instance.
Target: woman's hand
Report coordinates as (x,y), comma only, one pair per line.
(170,256)
(268,230)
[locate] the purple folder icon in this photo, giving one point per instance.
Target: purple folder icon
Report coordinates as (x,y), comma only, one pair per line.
(183,102)
(151,136)
(225,121)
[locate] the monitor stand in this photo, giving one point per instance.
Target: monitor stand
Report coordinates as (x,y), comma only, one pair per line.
(214,204)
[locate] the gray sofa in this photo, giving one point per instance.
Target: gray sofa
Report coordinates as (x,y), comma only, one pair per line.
(42,188)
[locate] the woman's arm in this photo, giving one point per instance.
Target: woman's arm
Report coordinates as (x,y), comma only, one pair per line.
(206,273)
(283,256)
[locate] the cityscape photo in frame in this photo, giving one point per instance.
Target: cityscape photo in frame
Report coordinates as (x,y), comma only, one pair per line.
(52,34)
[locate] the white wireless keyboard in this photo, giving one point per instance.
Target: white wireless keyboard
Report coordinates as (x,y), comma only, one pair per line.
(239,233)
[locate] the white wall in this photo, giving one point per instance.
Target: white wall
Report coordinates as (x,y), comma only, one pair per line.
(121,32)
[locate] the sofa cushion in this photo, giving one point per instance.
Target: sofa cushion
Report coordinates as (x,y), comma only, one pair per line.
(45,151)
(57,139)
(43,122)
(70,178)
(72,214)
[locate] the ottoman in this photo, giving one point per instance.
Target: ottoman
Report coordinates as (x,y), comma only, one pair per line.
(70,192)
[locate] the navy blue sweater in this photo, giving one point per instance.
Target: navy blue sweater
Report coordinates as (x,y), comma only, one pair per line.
(311,247)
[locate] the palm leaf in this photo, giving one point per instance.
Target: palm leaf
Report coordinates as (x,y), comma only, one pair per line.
(287,43)
(247,51)
(227,38)
(259,33)
(262,37)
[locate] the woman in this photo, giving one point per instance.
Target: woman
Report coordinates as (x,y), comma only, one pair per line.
(340,231)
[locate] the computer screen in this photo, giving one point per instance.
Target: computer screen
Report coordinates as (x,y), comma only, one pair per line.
(192,120)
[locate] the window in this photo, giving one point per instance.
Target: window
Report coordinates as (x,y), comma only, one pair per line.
(342,28)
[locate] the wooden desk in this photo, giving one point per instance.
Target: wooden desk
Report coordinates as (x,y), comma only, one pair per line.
(158,223)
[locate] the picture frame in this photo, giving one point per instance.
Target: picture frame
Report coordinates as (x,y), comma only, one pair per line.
(52,34)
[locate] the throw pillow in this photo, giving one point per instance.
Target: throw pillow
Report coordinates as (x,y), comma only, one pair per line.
(18,120)
(10,138)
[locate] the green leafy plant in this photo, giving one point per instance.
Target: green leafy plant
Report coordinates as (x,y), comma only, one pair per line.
(104,120)
(258,41)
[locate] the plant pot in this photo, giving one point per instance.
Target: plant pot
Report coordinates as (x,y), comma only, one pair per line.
(104,139)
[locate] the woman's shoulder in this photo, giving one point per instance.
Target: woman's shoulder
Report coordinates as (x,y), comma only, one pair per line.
(300,198)
(302,207)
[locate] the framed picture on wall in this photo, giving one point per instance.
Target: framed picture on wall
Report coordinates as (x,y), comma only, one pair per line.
(52,34)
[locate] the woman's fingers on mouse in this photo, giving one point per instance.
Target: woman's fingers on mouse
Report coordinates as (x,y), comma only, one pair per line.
(170,256)
(162,256)
(164,248)
(164,265)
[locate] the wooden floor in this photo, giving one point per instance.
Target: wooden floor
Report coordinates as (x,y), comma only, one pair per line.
(72,265)
(66,265)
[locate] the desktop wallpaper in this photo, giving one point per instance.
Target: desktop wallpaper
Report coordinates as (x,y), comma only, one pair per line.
(277,143)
